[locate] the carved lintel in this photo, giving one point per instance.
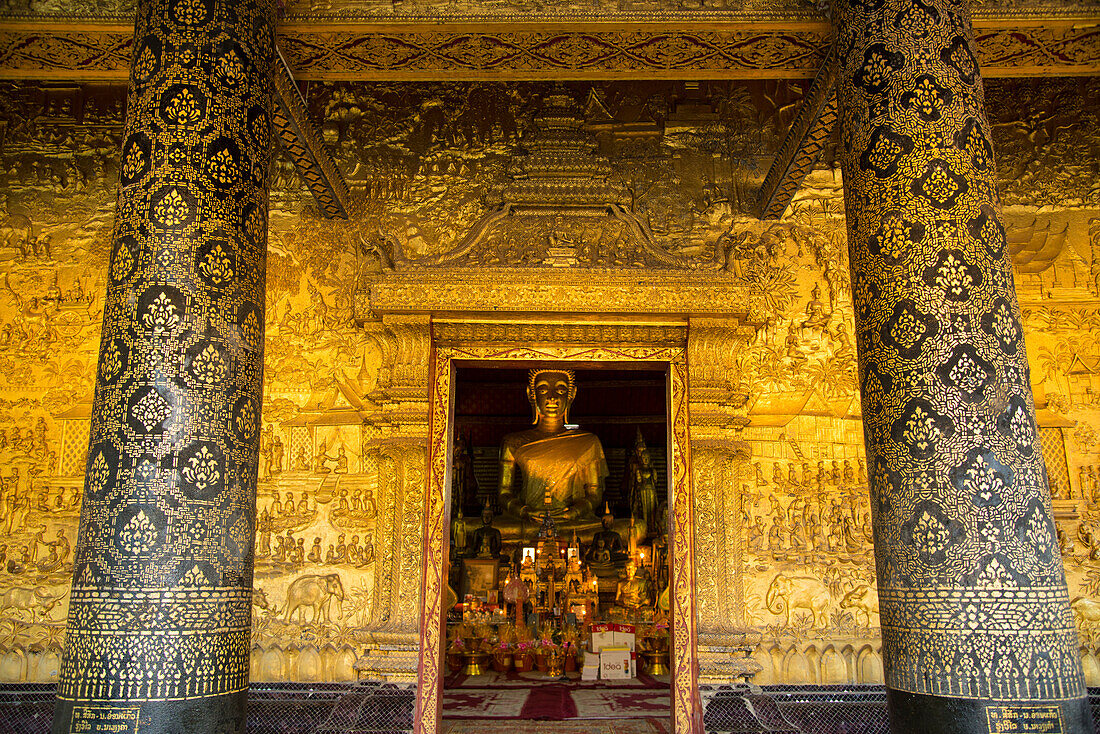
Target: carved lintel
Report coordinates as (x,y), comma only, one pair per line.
(572,291)
(681,50)
(796,156)
(302,143)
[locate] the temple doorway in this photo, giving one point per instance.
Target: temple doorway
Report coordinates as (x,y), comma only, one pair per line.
(558,557)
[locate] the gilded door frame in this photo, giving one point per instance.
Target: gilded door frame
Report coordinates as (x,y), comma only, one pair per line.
(686,710)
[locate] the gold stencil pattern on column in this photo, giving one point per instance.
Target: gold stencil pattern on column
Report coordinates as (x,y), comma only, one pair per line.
(161,599)
(967,556)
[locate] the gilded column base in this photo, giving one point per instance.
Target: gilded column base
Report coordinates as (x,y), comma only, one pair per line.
(225,713)
(916,712)
(390,657)
(726,658)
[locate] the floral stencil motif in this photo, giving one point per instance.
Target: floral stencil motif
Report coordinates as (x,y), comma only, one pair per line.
(960,58)
(921,428)
(1034,531)
(122,264)
(1000,323)
(907,329)
(99,473)
(138,535)
(230,68)
(973,140)
(151,410)
(918,20)
(222,166)
(940,186)
(953,275)
(895,237)
(968,372)
(884,151)
(190,12)
(111,362)
(194,577)
(879,64)
(161,315)
(202,470)
(927,98)
(135,159)
(148,59)
(172,210)
(208,367)
(987,229)
(984,478)
(930,532)
(216,266)
(244,419)
(250,329)
(184,107)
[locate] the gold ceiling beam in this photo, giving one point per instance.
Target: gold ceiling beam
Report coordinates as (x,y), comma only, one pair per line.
(302,142)
(673,49)
(812,126)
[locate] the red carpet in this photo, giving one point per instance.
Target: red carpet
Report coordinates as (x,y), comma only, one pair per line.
(549,702)
(536,696)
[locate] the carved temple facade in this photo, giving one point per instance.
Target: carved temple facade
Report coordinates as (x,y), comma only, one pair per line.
(238,294)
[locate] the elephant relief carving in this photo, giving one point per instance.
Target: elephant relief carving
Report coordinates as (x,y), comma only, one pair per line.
(862,598)
(38,599)
(788,593)
(316,592)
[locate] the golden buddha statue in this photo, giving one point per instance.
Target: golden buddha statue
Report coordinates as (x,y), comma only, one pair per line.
(635,592)
(563,469)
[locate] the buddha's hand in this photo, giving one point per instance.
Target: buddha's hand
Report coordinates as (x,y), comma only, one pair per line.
(517,508)
(572,514)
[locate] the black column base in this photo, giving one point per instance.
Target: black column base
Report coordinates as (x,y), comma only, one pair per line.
(212,715)
(916,713)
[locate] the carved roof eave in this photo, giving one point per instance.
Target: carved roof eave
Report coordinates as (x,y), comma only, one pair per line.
(671,45)
(569,293)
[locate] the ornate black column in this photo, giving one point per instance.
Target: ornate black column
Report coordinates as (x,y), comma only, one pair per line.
(977,631)
(160,608)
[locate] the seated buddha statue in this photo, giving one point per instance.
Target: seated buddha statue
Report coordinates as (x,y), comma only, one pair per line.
(606,553)
(562,469)
(636,590)
(486,539)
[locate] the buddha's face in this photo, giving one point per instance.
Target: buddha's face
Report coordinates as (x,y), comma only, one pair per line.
(552,394)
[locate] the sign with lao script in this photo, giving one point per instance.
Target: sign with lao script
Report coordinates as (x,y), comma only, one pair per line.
(105,720)
(1024,719)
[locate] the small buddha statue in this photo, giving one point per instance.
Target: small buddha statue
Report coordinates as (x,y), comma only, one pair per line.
(607,545)
(636,590)
(486,542)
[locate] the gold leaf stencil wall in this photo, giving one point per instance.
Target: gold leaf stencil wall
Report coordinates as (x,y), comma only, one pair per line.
(345,411)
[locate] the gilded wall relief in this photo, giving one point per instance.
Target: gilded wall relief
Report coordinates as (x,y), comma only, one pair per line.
(658,182)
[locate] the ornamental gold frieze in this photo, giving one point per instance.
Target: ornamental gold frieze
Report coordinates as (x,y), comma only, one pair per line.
(607,47)
(545,332)
(578,291)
